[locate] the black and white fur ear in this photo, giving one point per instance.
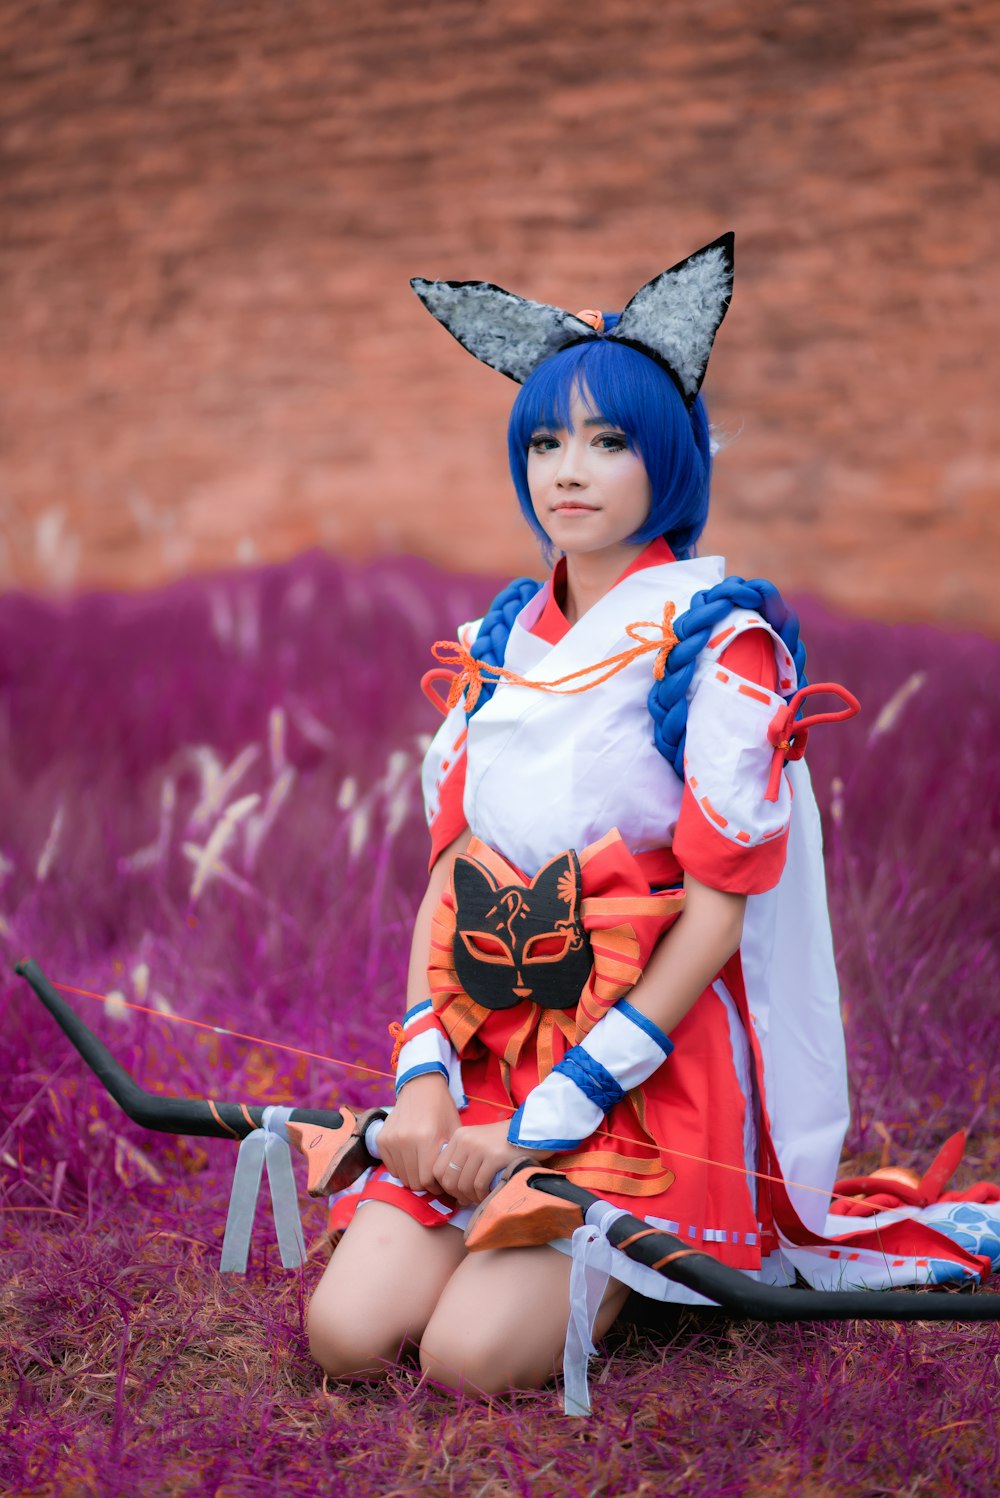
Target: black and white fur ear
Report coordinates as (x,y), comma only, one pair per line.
(675,317)
(672,319)
(507,332)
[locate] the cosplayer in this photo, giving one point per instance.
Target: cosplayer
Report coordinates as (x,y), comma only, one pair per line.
(588,982)
(622,965)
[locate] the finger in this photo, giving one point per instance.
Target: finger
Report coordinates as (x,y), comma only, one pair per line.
(452,1175)
(410,1160)
(399,1165)
(452,1181)
(390,1159)
(483,1184)
(465,1191)
(429,1154)
(440,1164)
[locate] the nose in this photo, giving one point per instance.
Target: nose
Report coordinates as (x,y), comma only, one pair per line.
(570,474)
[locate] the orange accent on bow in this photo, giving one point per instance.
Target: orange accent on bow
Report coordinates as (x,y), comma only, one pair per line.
(468,677)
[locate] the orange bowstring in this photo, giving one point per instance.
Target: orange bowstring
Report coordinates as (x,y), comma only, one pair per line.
(374,1071)
(470,671)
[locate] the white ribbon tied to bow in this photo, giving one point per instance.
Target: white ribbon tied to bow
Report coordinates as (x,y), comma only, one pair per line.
(593,1266)
(595,1261)
(266,1146)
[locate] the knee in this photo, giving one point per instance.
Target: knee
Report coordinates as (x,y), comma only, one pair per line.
(345,1348)
(467,1363)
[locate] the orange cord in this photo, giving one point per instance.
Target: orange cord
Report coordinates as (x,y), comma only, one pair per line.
(470,671)
(374,1071)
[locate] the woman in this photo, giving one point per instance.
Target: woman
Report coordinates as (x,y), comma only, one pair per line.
(575,959)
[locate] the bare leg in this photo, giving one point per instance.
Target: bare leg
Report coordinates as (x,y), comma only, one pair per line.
(379,1290)
(500,1322)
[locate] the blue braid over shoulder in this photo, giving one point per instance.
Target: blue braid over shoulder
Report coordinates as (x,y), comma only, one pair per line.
(668,704)
(490,644)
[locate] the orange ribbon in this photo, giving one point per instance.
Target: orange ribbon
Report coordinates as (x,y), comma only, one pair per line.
(468,674)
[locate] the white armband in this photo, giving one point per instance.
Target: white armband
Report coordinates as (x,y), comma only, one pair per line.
(428,1051)
(620,1052)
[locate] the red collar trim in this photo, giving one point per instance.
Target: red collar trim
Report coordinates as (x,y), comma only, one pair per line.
(551,624)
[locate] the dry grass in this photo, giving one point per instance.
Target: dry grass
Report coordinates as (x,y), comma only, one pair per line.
(281,755)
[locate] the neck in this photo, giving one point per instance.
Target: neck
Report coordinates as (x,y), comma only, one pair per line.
(591,574)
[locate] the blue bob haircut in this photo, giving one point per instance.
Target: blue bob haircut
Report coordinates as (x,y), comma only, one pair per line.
(639,398)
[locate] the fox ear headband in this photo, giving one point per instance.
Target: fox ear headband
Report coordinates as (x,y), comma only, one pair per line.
(672,319)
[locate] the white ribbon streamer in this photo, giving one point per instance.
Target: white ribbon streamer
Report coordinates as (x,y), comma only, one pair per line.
(267,1146)
(595,1261)
(588,1280)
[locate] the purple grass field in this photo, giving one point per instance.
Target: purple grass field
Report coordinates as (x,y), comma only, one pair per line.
(209,805)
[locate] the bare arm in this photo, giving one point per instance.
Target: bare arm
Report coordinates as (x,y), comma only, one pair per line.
(700,942)
(424,1116)
(420,946)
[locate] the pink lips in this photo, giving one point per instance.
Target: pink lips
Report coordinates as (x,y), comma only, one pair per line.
(570,508)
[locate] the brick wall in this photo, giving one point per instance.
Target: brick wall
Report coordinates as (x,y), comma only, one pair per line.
(210,212)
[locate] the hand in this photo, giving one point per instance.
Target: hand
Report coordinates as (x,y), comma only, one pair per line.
(424,1118)
(472,1157)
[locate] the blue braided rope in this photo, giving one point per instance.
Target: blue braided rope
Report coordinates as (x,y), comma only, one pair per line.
(668,703)
(490,644)
(596,1083)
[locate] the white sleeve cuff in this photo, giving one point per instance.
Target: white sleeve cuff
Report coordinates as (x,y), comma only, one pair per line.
(621,1051)
(430,1051)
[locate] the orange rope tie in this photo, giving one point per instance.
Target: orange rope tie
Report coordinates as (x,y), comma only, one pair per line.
(396,1031)
(375,1071)
(469,673)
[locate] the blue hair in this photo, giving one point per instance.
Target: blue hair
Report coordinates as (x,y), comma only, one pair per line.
(641,399)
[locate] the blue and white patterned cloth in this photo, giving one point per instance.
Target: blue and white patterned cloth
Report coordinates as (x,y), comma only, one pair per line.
(972,1225)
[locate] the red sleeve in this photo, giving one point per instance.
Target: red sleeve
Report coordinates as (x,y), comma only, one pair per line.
(751,655)
(700,848)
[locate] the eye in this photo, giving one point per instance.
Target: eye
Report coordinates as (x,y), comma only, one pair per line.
(548,948)
(486,947)
(542,442)
(612,442)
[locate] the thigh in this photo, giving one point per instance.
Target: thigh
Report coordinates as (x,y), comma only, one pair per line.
(500,1322)
(379,1289)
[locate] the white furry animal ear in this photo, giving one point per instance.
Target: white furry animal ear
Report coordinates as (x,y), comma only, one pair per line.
(675,317)
(507,332)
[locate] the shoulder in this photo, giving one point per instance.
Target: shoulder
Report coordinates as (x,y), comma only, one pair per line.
(744,642)
(716,617)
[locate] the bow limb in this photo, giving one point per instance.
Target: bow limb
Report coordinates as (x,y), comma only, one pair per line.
(526,1206)
(332,1140)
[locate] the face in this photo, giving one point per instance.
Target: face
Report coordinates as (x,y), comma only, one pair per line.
(589,491)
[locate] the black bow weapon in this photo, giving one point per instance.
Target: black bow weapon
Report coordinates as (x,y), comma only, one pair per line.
(533,1204)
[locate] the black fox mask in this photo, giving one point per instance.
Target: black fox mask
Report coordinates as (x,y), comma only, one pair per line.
(515,942)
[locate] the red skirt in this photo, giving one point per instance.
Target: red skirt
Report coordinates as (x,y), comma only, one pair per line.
(680,1150)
